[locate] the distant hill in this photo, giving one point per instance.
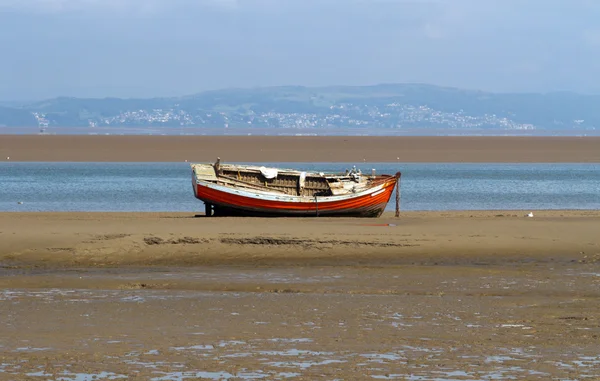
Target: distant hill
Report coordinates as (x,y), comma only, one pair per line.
(378,106)
(14,117)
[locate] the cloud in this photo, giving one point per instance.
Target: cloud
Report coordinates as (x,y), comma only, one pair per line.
(121,6)
(158,47)
(69,5)
(433,32)
(60,6)
(591,37)
(238,5)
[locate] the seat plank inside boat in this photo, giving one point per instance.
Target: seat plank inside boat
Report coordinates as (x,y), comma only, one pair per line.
(205,172)
(286,181)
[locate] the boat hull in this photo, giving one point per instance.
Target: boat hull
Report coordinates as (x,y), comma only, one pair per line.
(226,201)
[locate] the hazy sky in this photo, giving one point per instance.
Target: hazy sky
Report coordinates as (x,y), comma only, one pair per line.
(145,48)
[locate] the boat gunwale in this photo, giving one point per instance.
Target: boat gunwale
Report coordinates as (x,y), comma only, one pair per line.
(282,171)
(275,197)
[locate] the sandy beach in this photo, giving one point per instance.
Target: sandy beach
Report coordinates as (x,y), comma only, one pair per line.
(300,149)
(180,239)
(172,296)
(169,296)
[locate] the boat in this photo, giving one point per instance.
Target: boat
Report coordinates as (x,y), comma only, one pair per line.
(250,190)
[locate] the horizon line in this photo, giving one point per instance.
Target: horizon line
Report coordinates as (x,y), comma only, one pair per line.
(8,101)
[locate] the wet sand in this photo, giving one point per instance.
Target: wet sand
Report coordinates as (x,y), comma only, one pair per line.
(178,239)
(300,149)
(429,296)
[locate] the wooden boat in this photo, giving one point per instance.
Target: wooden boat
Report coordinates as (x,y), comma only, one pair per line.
(247,190)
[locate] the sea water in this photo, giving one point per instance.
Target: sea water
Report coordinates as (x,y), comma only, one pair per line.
(168,186)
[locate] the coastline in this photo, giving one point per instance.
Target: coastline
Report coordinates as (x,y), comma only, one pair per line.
(173,296)
(351,149)
(96,239)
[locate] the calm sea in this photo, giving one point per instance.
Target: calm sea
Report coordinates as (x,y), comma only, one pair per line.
(167,186)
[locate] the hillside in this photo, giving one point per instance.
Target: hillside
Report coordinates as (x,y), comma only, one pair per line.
(11,116)
(379,106)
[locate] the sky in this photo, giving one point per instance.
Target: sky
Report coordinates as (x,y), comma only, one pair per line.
(154,48)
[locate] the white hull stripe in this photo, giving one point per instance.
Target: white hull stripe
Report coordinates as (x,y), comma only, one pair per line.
(288,198)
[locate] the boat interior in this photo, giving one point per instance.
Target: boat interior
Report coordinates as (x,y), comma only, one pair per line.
(285,181)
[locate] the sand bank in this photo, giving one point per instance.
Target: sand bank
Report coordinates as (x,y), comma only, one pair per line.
(533,322)
(180,239)
(474,295)
(298,149)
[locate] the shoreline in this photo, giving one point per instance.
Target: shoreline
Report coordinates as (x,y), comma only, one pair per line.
(360,295)
(383,149)
(147,239)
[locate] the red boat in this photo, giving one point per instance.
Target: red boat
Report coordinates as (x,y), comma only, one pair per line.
(246,190)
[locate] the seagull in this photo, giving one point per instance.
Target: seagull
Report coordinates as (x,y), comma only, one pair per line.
(530,214)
